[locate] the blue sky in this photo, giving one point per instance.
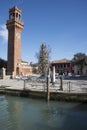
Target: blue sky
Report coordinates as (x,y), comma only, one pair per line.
(61,24)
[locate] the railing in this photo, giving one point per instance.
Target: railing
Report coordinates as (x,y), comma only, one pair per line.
(35,84)
(75,86)
(70,86)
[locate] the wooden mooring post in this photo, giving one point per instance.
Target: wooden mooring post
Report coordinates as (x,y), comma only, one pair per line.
(61,83)
(24,84)
(69,86)
(48,85)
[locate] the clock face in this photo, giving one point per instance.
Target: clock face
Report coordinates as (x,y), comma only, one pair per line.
(18,35)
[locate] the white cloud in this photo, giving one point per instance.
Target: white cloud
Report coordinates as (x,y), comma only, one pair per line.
(3,33)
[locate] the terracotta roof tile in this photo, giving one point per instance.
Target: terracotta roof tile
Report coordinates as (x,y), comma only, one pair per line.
(61,61)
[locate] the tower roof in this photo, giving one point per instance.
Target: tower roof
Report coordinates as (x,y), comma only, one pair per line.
(15,8)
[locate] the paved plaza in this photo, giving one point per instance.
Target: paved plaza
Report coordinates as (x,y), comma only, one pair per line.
(72,86)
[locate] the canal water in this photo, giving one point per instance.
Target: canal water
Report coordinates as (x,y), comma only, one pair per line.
(18,113)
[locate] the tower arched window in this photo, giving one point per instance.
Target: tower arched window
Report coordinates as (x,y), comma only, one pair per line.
(16,15)
(10,16)
(13,15)
(19,16)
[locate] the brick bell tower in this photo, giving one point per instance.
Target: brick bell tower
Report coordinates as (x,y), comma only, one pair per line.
(14,25)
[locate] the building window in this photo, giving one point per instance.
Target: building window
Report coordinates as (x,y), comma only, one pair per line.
(64,65)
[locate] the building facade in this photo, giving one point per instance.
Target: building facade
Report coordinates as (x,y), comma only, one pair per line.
(23,68)
(77,71)
(62,66)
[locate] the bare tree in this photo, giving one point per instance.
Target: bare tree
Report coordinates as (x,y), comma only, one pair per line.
(43,59)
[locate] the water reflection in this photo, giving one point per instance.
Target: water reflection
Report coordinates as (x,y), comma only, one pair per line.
(55,115)
(22,114)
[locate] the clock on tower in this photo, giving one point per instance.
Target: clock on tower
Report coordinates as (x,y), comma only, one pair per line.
(18,35)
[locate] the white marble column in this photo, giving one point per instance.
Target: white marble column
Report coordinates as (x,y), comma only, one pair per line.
(53,74)
(3,73)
